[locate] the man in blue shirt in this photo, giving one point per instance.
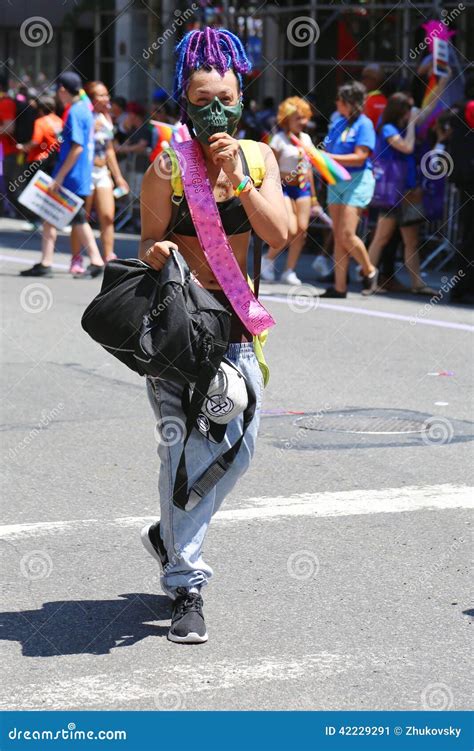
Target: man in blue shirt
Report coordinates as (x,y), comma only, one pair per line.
(73,170)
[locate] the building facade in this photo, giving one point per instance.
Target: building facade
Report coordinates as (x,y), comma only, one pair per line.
(305,48)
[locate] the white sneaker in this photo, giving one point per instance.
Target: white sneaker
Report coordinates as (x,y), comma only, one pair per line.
(29,227)
(289,277)
(267,272)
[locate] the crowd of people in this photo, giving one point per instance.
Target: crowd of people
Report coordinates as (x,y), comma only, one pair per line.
(381,138)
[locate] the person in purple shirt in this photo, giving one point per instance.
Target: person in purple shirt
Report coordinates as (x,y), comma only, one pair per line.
(350,141)
(396,145)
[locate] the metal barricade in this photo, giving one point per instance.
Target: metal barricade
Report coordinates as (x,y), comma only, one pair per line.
(445,232)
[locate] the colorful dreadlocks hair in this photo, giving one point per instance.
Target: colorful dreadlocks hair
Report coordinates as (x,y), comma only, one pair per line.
(209,48)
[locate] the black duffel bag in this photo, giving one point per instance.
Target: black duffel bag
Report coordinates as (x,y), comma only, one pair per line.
(163,324)
(158,323)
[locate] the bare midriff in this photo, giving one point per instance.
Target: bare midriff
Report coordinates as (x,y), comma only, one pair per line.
(190,249)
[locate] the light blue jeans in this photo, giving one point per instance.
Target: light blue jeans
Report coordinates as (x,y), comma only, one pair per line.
(183,532)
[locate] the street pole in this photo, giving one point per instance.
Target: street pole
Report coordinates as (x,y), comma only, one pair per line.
(312,52)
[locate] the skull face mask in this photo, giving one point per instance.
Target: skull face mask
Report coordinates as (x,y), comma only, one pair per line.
(214,118)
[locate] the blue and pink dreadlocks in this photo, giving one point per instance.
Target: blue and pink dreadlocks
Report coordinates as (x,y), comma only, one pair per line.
(209,48)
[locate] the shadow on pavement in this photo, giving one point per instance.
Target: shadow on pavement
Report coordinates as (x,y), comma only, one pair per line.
(85,626)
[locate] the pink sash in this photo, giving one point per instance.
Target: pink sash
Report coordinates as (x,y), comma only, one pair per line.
(217,250)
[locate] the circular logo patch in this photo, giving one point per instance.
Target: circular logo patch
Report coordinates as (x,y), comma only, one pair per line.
(219,406)
(203,423)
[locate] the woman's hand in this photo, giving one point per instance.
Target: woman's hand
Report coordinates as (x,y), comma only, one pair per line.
(56,184)
(225,153)
(155,254)
(122,183)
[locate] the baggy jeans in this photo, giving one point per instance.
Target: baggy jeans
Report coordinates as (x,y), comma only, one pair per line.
(183,532)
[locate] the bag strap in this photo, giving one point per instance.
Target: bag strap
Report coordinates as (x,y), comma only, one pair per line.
(187,498)
(174,216)
(255,160)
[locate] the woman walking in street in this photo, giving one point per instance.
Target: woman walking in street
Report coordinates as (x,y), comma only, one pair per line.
(350,141)
(105,172)
(297,183)
(208,86)
(396,145)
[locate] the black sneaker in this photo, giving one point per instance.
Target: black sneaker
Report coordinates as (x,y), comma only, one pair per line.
(369,283)
(332,292)
(153,543)
(187,620)
(38,270)
(92,271)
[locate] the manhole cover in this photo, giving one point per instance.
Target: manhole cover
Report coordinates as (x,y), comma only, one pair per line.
(363,422)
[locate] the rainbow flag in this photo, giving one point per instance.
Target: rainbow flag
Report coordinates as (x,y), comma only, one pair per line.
(60,197)
(166,135)
(325,165)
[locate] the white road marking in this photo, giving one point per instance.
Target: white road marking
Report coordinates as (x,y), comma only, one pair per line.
(414,319)
(425,321)
(24,260)
(167,687)
(345,503)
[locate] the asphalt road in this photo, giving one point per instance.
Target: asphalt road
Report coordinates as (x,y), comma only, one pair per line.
(341,560)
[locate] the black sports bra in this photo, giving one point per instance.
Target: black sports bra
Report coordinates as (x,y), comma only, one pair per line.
(233,215)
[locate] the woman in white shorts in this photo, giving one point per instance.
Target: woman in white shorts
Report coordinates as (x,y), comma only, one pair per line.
(297,184)
(106,170)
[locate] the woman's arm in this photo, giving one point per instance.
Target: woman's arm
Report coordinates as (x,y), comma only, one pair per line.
(314,197)
(155,212)
(135,148)
(406,144)
(357,159)
(266,207)
(434,99)
(113,166)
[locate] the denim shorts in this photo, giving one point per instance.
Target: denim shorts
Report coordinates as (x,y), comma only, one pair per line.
(295,192)
(355,192)
(81,216)
(183,532)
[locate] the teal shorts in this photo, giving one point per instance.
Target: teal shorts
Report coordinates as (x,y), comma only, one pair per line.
(355,192)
